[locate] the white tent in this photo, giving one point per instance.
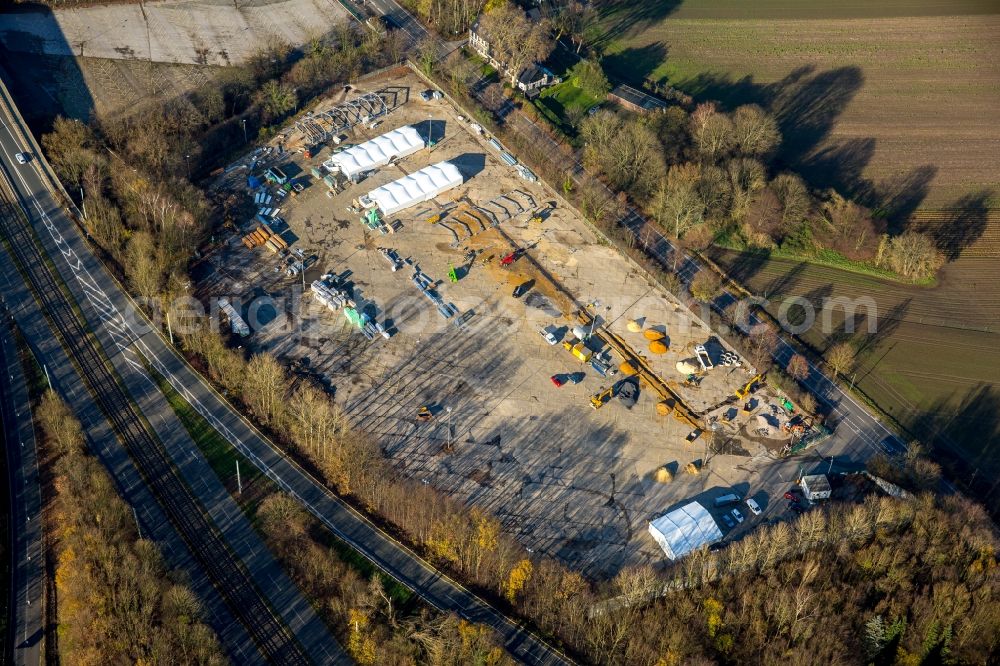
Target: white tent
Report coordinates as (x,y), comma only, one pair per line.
(376,153)
(418,186)
(685,529)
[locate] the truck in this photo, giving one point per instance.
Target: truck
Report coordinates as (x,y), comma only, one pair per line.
(726,500)
(276,175)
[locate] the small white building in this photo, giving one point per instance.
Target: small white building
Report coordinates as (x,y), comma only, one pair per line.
(415,188)
(815,487)
(377,152)
(685,529)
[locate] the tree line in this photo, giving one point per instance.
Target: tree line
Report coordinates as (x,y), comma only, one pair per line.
(704,177)
(374,619)
(117,602)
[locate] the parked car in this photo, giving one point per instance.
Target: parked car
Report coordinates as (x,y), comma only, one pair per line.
(797,508)
(791,497)
(576,377)
(728,521)
(558,380)
(549,333)
(753,506)
(737,515)
(22,158)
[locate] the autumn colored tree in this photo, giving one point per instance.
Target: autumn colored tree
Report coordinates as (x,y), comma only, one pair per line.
(798,367)
(840,358)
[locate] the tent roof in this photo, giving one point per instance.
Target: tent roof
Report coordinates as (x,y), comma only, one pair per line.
(685,529)
(416,187)
(378,151)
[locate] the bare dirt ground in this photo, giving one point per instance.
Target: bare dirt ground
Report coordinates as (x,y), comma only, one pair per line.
(193,32)
(904,102)
(565,478)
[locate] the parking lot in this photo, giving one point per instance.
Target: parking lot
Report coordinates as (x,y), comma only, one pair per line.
(566,479)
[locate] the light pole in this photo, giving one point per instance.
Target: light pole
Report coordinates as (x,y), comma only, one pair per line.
(448,409)
(244,130)
(187,162)
(430,129)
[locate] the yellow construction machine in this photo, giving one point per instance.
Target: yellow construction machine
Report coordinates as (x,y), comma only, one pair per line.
(599,399)
(750,386)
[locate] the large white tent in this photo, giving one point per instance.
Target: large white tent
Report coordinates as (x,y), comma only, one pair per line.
(685,529)
(417,187)
(377,152)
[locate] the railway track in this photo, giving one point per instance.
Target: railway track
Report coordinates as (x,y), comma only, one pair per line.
(227,573)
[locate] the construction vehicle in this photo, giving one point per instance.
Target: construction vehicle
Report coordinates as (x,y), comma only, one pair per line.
(670,401)
(750,386)
(601,397)
(424,413)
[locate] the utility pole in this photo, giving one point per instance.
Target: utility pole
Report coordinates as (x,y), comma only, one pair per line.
(244,130)
(239,482)
(136,517)
(170,331)
(83,203)
(48,379)
(448,409)
(187,161)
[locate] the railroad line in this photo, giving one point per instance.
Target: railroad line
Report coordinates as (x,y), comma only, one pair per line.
(226,572)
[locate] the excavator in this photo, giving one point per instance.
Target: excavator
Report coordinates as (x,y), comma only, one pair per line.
(750,386)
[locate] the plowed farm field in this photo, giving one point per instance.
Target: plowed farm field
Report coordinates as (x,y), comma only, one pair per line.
(900,96)
(933,361)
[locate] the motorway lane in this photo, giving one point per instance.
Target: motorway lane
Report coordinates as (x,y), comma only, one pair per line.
(102,442)
(27,567)
(281,592)
(91,284)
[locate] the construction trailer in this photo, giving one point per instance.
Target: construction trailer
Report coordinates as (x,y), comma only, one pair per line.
(236,322)
(415,188)
(815,487)
(376,153)
(684,530)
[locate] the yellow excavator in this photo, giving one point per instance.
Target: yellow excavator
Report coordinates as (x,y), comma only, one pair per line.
(601,397)
(750,386)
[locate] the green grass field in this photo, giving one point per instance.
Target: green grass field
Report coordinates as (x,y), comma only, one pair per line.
(566,98)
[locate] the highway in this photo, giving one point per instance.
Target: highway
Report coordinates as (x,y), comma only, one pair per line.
(27,568)
(131,340)
(281,624)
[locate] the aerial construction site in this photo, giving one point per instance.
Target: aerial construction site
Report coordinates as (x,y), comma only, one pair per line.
(387,247)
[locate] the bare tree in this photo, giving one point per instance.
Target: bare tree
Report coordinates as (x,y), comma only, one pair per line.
(798,367)
(794,197)
(514,41)
(59,424)
(713,132)
(264,387)
(763,341)
(755,132)
(705,285)
(913,255)
(840,358)
(747,177)
(677,204)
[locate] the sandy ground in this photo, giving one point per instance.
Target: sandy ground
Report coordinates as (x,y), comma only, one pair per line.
(204,32)
(565,478)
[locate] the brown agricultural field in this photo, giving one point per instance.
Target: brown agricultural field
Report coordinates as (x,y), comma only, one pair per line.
(870,99)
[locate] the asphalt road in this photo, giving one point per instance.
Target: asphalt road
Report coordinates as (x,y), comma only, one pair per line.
(102,441)
(100,294)
(27,567)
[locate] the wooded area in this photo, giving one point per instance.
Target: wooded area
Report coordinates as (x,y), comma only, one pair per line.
(117,603)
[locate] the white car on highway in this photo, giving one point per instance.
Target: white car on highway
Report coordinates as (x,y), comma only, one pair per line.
(22,158)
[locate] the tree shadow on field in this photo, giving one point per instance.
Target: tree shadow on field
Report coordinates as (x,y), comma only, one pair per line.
(965,223)
(635,63)
(622,18)
(807,104)
(781,284)
(966,441)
